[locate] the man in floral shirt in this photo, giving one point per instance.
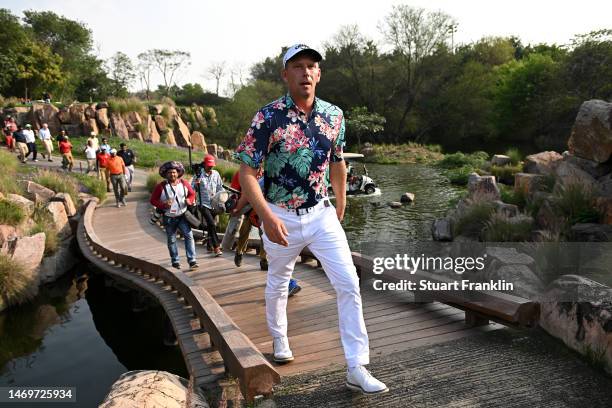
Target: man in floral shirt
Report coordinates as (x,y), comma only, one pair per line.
(296,139)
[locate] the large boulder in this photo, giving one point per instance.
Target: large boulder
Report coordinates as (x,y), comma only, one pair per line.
(568,173)
(441,229)
(605,185)
(160,123)
(604,205)
(24,203)
(102,118)
(59,216)
(66,200)
(46,113)
(77,113)
(526,283)
(591,136)
(144,388)
(28,252)
(90,111)
(181,132)
(573,310)
(90,125)
(21,114)
(40,194)
(595,169)
(590,232)
(500,160)
(64,115)
(7,233)
(133,123)
(73,130)
(483,188)
(542,163)
(152,133)
(213,149)
(198,141)
(118,126)
(54,266)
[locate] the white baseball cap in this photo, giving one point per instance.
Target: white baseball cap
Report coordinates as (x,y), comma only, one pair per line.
(298,49)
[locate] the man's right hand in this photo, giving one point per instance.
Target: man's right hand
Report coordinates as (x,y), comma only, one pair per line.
(275,230)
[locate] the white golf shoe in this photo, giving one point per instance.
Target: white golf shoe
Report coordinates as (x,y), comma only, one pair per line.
(360,379)
(282,352)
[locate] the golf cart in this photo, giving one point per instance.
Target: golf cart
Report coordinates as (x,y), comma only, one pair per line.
(358,184)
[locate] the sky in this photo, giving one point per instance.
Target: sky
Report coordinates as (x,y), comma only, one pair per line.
(240,33)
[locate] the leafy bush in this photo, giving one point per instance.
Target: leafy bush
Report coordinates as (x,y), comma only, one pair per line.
(10,213)
(459,160)
(500,228)
(459,176)
(515,156)
(474,220)
(14,286)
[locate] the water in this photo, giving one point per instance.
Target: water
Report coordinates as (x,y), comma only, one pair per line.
(82,334)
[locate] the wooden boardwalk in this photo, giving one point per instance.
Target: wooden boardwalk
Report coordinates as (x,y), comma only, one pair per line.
(313,323)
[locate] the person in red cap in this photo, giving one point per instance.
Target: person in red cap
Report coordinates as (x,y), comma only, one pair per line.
(207,184)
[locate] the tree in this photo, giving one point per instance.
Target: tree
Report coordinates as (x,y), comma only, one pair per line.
(216,71)
(38,68)
(270,68)
(168,62)
(361,122)
(122,73)
(589,66)
(414,34)
(144,68)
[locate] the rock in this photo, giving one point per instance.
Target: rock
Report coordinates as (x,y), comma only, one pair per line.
(200,119)
(37,192)
(160,122)
(483,188)
(90,125)
(508,256)
(368,151)
(394,204)
(546,217)
(604,206)
(156,109)
(595,169)
(508,210)
(542,163)
(526,283)
(591,136)
(198,141)
(24,203)
(102,118)
(90,111)
(441,229)
(58,212)
(152,134)
(46,113)
(604,185)
(407,198)
(500,160)
(21,114)
(66,200)
(212,149)
(571,310)
(227,155)
(54,266)
(133,123)
(77,113)
(588,232)
(7,233)
(118,126)
(569,173)
(102,105)
(73,130)
(147,388)
(528,183)
(28,251)
(64,115)
(181,132)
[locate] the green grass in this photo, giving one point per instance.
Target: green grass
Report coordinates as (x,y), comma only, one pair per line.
(506,172)
(9,167)
(14,286)
(500,228)
(123,106)
(515,156)
(152,179)
(92,184)
(459,176)
(511,196)
(474,220)
(57,182)
(459,160)
(574,203)
(43,222)
(405,153)
(10,213)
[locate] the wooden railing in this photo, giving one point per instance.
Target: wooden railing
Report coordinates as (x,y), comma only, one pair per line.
(241,357)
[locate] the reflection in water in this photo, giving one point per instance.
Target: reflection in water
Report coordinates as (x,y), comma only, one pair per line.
(369,219)
(82,334)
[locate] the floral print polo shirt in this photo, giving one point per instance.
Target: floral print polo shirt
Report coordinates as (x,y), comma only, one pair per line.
(295,150)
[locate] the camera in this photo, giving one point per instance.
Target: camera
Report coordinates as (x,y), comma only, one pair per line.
(155,216)
(231,203)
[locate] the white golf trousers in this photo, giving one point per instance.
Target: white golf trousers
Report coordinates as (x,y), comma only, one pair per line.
(322,233)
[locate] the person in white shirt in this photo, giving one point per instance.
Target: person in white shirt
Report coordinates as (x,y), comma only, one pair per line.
(90,155)
(95,143)
(44,134)
(30,141)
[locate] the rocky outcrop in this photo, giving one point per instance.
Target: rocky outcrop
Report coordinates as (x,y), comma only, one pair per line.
(59,216)
(133,123)
(7,233)
(102,118)
(595,169)
(136,389)
(500,160)
(66,200)
(441,229)
(89,126)
(54,266)
(568,174)
(28,252)
(604,206)
(152,133)
(46,113)
(77,113)
(572,310)
(589,232)
(591,136)
(483,188)
(198,141)
(24,203)
(38,193)
(181,132)
(118,126)
(528,183)
(542,163)
(514,267)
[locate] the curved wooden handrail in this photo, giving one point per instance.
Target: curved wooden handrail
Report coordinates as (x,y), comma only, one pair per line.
(241,357)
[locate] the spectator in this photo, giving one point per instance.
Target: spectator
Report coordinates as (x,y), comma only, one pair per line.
(47,97)
(116,169)
(173,196)
(90,155)
(105,145)
(129,158)
(95,143)
(207,184)
(31,141)
(44,134)
(102,158)
(65,148)
(8,138)
(22,145)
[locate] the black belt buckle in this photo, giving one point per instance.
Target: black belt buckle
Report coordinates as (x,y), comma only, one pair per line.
(326,203)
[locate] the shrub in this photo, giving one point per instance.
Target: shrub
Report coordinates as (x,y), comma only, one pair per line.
(459,176)
(505,173)
(458,160)
(123,106)
(10,213)
(574,203)
(9,166)
(93,185)
(58,183)
(511,196)
(515,156)
(474,220)
(14,286)
(500,228)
